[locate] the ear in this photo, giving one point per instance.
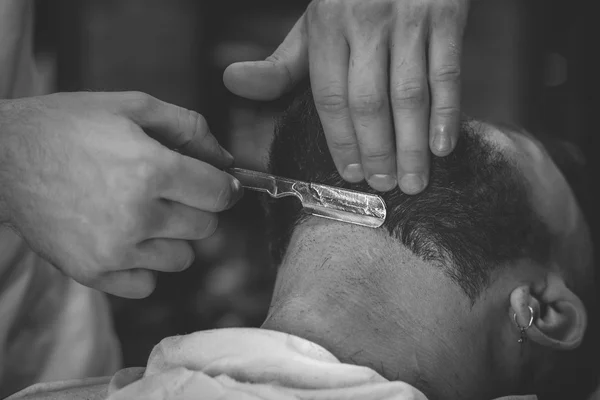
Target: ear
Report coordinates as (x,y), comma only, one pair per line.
(559,316)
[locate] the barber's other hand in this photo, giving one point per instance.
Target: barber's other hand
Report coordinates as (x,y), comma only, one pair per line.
(385,75)
(84,179)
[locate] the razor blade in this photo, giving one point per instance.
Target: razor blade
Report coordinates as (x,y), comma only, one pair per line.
(319,200)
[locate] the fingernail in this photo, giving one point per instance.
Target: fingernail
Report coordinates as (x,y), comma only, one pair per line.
(412,183)
(228,156)
(237,191)
(381,182)
(442,141)
(354,173)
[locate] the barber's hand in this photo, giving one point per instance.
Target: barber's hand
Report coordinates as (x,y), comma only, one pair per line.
(385,75)
(90,191)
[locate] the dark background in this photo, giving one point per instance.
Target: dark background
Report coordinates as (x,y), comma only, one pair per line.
(525,62)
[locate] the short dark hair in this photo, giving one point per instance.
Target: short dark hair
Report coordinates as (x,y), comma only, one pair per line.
(475,215)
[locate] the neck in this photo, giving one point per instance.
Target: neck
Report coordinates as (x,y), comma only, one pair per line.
(371,302)
(340,297)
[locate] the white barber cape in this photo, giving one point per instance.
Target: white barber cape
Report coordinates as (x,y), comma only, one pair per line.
(234,363)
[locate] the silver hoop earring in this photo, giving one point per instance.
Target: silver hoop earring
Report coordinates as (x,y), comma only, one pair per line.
(523,337)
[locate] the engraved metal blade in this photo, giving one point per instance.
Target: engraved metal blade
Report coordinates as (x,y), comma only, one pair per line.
(320,200)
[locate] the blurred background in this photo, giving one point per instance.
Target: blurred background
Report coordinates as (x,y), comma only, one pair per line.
(526,62)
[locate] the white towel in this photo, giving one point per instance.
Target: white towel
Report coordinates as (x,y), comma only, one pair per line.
(246,363)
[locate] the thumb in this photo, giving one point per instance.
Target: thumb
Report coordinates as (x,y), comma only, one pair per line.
(271,78)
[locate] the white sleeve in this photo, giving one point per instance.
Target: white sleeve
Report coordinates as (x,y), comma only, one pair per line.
(52,328)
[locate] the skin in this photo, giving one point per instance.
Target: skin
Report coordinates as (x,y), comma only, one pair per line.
(141,223)
(386,81)
(370,301)
(73,161)
(97,197)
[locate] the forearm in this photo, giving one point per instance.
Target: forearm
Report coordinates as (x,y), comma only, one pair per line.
(6,119)
(17,65)
(3,209)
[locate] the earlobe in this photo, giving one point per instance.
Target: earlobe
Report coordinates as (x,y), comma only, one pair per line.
(559,317)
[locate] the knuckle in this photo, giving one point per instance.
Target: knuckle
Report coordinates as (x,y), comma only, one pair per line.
(415,14)
(447,112)
(200,130)
(409,94)
(365,104)
(331,101)
(138,100)
(373,13)
(378,154)
(279,58)
(147,172)
(343,145)
(325,11)
(188,118)
(136,188)
(412,155)
(448,10)
(446,74)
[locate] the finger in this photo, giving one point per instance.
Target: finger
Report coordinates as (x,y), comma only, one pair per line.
(200,185)
(370,112)
(328,65)
(410,107)
(444,81)
(131,283)
(269,79)
(184,223)
(175,127)
(163,255)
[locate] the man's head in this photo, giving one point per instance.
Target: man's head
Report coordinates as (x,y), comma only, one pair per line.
(429,298)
